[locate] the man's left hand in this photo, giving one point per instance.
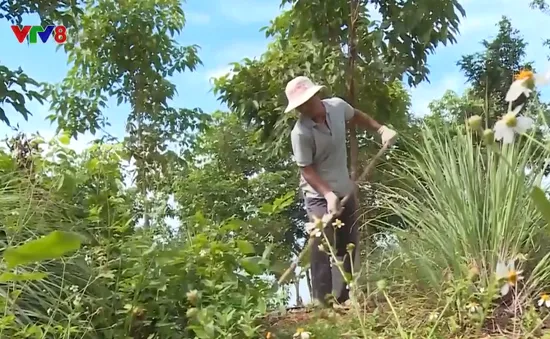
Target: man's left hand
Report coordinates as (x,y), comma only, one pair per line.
(387,135)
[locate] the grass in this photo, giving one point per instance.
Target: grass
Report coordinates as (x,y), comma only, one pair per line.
(468,210)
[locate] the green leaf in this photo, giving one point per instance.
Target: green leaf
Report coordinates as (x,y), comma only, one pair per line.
(267,251)
(92,164)
(541,202)
(150,249)
(10,277)
(252,265)
(245,247)
(266,209)
(52,246)
(262,307)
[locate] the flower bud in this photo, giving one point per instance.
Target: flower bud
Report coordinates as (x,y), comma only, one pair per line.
(474,122)
(381,284)
(192,312)
(489,136)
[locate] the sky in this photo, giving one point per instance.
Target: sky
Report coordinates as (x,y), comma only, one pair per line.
(228,31)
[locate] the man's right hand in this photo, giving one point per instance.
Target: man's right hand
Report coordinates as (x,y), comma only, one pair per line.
(333,203)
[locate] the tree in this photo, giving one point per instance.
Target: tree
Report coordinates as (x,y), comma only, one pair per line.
(492,71)
(16,87)
(314,39)
(127,50)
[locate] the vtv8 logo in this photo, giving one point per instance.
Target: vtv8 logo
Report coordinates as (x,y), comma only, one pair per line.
(31,33)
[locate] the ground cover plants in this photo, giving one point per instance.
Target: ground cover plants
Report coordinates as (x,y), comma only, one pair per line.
(181,227)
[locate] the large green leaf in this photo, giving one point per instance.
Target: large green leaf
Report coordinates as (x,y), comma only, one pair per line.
(10,277)
(52,246)
(245,247)
(252,265)
(541,202)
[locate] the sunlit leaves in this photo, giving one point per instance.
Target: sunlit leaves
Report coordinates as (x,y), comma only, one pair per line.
(245,247)
(14,277)
(541,202)
(52,246)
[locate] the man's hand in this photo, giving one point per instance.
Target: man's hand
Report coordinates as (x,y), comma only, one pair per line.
(387,135)
(333,203)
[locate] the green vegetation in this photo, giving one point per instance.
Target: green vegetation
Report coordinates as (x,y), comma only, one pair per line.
(456,225)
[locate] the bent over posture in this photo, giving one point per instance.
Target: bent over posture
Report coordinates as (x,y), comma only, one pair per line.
(319,147)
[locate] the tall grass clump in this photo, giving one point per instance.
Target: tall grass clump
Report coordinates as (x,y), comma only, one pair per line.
(468,207)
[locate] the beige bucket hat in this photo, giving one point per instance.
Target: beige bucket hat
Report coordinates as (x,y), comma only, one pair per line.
(300,90)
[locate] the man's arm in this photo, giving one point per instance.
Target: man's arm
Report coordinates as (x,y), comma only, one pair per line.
(363,120)
(387,135)
(313,178)
(302,149)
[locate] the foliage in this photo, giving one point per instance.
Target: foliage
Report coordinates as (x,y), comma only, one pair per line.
(480,226)
(402,39)
(492,71)
(77,261)
(324,59)
(454,108)
(233,175)
(65,12)
(128,276)
(129,56)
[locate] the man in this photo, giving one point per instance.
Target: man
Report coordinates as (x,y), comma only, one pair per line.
(319,147)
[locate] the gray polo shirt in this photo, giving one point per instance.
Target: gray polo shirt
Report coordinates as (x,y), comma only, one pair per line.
(324,148)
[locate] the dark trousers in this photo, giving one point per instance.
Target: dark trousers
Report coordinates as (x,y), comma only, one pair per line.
(327,280)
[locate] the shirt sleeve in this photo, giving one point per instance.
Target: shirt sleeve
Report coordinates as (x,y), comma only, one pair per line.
(302,149)
(349,111)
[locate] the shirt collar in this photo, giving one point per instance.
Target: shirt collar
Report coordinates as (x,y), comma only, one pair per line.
(309,122)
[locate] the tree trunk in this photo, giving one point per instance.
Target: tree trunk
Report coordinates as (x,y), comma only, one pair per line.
(352,48)
(298,298)
(308,279)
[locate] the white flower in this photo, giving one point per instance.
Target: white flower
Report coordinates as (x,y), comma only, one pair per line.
(315,227)
(507,273)
(525,82)
(88,259)
(338,223)
(301,334)
(473,307)
(433,316)
(192,296)
(509,125)
(544,300)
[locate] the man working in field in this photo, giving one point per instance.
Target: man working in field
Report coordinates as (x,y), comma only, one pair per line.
(319,147)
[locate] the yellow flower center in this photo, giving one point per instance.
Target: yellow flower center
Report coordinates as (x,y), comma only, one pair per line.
(299,331)
(545,297)
(510,120)
(512,277)
(525,74)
